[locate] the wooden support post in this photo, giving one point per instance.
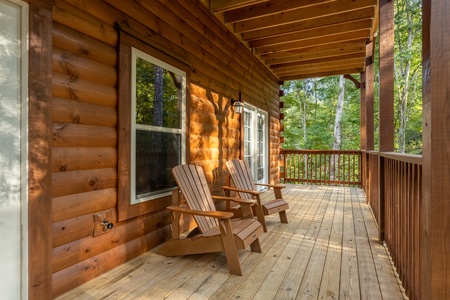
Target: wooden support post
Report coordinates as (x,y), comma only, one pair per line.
(40,140)
(386,103)
(370,47)
(435,207)
(367,101)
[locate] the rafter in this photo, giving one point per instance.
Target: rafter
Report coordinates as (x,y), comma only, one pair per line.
(365,13)
(313,33)
(303,14)
(347,36)
(321,74)
(268,8)
(335,65)
(303,38)
(317,62)
(317,56)
(224,5)
(313,50)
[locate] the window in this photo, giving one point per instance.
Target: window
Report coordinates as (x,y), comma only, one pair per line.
(152,93)
(256,142)
(157,133)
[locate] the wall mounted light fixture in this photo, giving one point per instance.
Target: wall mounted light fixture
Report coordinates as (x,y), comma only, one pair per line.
(238,106)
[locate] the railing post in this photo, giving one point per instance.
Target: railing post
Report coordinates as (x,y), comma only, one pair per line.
(381,198)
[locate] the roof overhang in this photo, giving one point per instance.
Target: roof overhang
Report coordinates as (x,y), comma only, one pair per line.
(299,39)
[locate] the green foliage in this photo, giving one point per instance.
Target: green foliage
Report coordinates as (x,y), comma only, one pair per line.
(146,98)
(408,79)
(319,96)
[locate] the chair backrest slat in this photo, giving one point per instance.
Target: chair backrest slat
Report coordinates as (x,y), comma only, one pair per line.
(192,183)
(241,175)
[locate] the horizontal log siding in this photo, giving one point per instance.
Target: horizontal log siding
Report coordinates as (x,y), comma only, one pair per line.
(274,150)
(84,155)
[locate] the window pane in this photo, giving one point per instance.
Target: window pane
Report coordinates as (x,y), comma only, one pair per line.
(260,146)
(158,95)
(247,136)
(156,154)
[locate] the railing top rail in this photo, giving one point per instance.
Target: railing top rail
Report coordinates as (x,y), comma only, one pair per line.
(408,158)
(320,151)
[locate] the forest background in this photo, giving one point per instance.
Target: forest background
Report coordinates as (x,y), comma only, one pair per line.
(324,113)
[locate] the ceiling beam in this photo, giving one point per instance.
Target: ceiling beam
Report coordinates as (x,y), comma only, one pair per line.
(267,8)
(347,36)
(354,15)
(224,5)
(293,16)
(321,74)
(335,65)
(313,50)
(317,61)
(313,33)
(317,56)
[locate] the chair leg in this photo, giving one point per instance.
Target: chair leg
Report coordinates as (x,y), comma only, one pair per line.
(260,217)
(283,217)
(260,213)
(230,247)
(255,246)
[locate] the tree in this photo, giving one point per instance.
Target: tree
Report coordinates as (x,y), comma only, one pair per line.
(310,107)
(337,125)
(310,103)
(407,68)
(338,117)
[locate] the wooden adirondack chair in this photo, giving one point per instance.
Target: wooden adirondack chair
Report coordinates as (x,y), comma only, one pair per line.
(216,232)
(242,182)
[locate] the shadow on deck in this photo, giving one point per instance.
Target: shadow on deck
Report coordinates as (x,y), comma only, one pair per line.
(329,250)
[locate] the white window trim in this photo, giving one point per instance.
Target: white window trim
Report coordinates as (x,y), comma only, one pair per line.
(254,110)
(135,53)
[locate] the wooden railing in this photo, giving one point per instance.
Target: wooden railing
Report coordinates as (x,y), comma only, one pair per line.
(321,167)
(393,185)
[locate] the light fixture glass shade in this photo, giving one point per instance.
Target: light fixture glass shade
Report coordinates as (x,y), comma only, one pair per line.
(238,107)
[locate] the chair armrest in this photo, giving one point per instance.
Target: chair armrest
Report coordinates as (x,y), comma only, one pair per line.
(276,186)
(212,214)
(242,191)
(237,200)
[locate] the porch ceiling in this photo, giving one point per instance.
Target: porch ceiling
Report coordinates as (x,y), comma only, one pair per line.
(299,39)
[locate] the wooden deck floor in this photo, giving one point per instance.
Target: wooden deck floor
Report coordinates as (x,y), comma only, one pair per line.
(327,251)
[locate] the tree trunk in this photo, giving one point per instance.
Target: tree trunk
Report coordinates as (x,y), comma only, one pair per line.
(302,106)
(337,126)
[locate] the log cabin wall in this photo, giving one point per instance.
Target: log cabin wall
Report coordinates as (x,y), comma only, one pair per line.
(85,121)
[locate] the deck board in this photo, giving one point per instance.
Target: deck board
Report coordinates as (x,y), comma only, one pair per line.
(327,251)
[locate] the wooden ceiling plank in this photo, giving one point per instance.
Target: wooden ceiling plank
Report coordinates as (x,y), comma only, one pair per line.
(341,70)
(311,50)
(331,59)
(342,64)
(355,35)
(321,74)
(224,5)
(313,33)
(318,70)
(330,54)
(293,16)
(354,15)
(267,8)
